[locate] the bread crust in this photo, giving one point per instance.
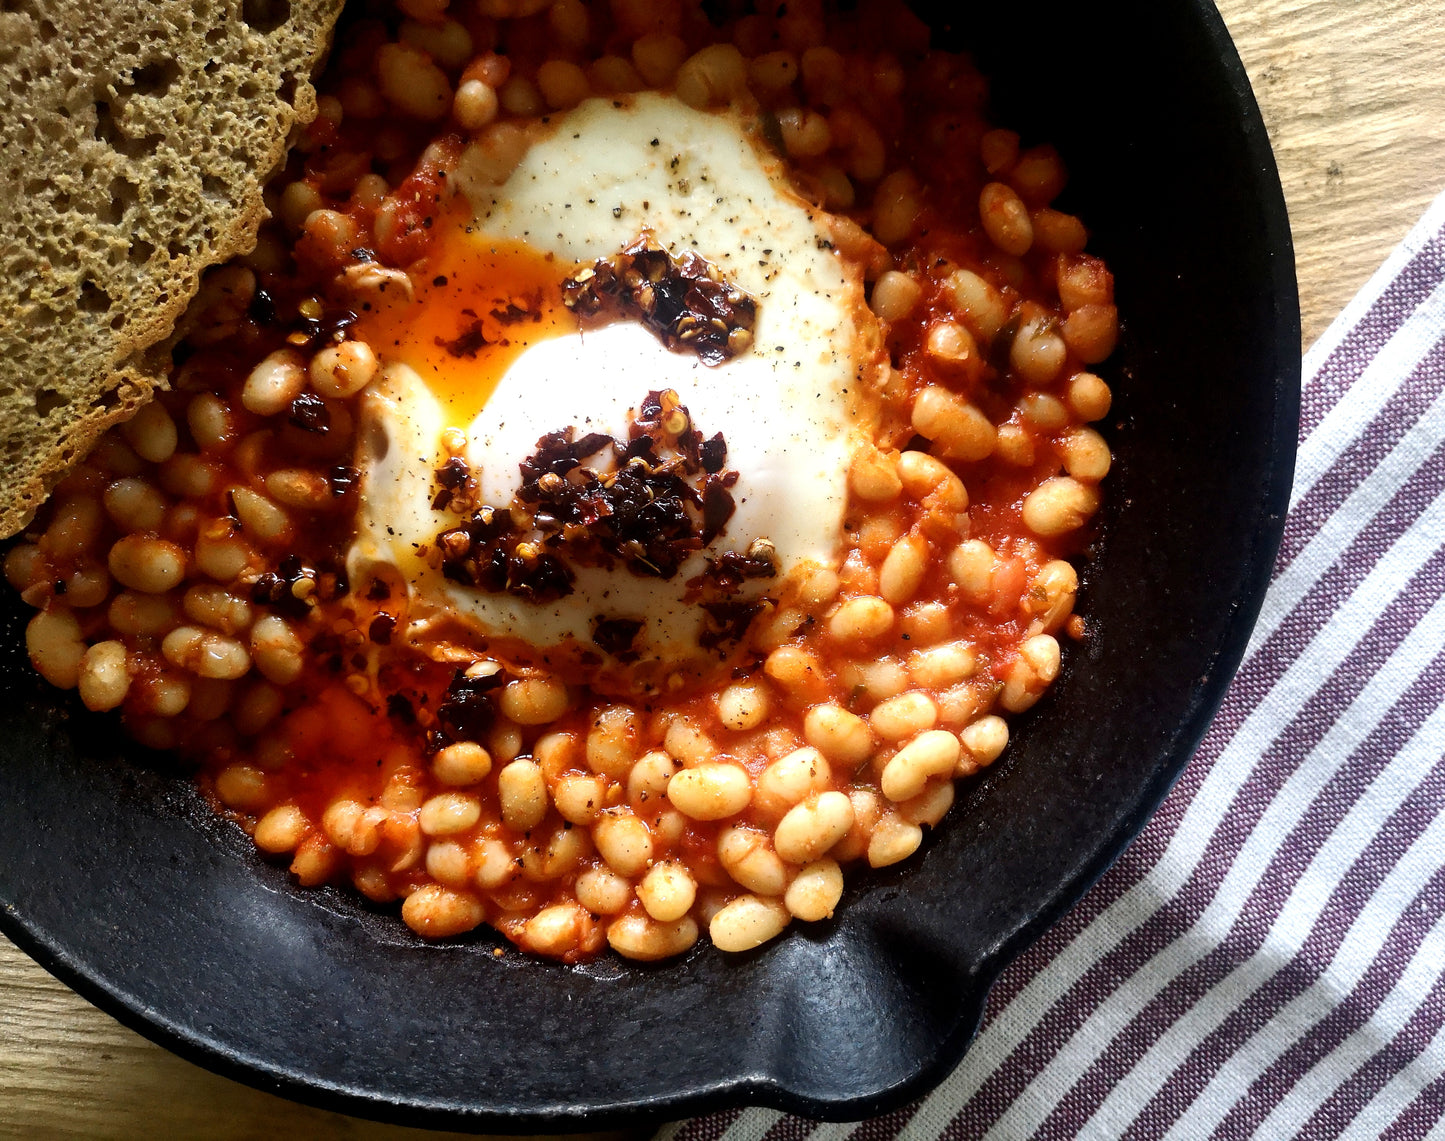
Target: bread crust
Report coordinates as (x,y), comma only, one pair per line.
(135,141)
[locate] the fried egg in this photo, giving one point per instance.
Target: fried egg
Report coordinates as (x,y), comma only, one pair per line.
(791,408)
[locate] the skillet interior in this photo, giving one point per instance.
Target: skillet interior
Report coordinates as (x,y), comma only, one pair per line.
(118,878)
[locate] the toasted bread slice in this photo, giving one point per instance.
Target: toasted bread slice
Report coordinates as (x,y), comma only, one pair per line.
(135,140)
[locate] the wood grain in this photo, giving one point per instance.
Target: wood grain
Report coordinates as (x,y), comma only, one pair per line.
(1353,92)
(67,1070)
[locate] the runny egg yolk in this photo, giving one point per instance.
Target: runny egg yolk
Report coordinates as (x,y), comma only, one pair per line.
(477,307)
(486,360)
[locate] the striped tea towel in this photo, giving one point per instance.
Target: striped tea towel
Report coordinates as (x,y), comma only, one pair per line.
(1267,960)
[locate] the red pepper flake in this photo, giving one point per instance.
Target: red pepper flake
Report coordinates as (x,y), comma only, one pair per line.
(616,636)
(310,414)
(381,629)
(514,314)
(713,454)
(291,587)
(468,342)
(685,301)
(453,474)
(646,503)
(717,504)
(262,309)
(310,333)
(399,707)
(727,622)
(727,572)
(468,708)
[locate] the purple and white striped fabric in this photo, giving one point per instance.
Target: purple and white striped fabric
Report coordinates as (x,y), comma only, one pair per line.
(1267,960)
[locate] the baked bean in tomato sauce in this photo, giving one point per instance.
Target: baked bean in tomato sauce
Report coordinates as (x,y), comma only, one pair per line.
(192,573)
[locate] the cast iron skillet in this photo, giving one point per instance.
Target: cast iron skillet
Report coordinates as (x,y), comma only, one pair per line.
(117,878)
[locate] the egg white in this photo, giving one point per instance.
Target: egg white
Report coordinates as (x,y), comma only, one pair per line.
(791,408)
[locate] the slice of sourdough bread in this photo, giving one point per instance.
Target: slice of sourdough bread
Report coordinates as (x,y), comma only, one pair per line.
(135,140)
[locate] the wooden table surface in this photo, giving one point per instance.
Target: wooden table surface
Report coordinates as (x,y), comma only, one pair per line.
(1353,92)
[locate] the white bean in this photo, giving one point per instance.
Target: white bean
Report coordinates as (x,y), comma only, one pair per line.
(645,939)
(930,754)
(809,829)
(711,791)
(815,891)
(104,676)
(274,383)
(747,922)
